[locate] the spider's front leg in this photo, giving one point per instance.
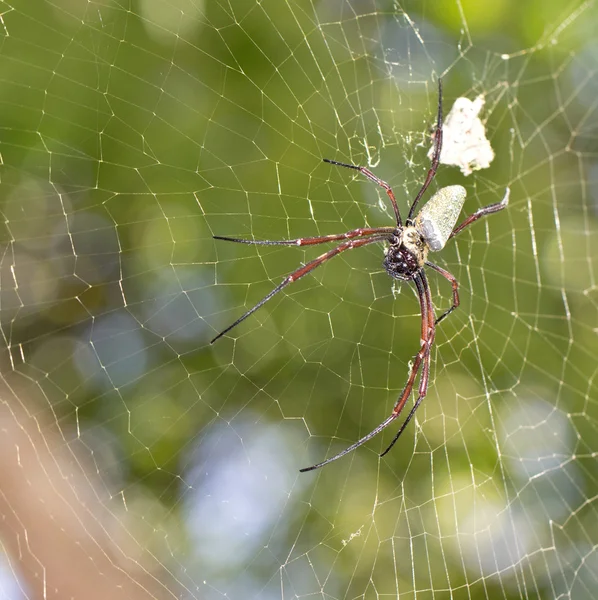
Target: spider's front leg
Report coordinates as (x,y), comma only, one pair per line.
(312,241)
(305,269)
(423,356)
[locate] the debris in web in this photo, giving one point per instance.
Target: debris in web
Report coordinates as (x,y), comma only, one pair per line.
(464,143)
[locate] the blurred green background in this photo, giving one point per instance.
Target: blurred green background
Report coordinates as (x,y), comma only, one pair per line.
(132,132)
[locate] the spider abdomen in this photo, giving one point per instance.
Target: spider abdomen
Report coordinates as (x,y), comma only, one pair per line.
(439,214)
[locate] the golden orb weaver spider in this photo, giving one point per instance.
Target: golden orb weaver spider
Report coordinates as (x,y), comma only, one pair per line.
(406,257)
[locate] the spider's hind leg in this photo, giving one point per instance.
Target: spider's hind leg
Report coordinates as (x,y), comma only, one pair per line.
(376,180)
(482,212)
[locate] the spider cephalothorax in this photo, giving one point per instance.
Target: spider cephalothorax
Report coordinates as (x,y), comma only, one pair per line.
(406,253)
(406,257)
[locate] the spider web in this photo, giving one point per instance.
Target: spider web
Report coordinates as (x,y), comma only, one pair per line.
(141,462)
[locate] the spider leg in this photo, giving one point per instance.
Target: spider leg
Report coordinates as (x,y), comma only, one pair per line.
(362,441)
(376,180)
(435,156)
(455,285)
(300,272)
(424,352)
(423,390)
(482,212)
(423,382)
(311,241)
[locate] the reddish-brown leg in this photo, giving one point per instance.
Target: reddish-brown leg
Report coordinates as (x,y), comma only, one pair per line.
(435,156)
(311,241)
(423,356)
(482,212)
(427,334)
(301,271)
(455,285)
(376,180)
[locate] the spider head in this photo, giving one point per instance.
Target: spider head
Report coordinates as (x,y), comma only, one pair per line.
(406,254)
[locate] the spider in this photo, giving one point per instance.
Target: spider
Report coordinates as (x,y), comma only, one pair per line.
(405,259)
